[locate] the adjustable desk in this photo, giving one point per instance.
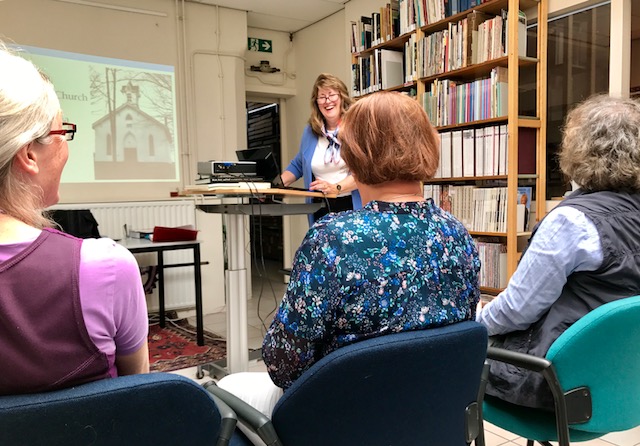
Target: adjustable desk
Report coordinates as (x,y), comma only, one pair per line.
(143,245)
(234,208)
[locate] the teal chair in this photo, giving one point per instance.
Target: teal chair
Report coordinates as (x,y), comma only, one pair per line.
(593,370)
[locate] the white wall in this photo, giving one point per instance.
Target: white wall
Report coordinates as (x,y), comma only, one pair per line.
(281,84)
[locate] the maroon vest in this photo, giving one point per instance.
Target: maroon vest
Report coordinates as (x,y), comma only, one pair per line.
(44,343)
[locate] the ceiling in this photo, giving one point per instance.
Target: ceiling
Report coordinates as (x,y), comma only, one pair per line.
(281,15)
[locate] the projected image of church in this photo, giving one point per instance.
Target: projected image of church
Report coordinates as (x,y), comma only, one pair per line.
(130,143)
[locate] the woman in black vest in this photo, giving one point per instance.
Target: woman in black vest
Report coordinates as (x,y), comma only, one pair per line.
(583,254)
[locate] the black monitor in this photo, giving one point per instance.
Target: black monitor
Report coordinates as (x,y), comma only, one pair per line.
(267,166)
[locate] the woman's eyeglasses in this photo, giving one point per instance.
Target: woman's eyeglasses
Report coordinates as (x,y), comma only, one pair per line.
(68,130)
(333,97)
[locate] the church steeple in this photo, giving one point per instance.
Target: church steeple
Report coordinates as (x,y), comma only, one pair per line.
(132,92)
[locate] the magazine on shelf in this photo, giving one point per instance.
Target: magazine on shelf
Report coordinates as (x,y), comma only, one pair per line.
(524,208)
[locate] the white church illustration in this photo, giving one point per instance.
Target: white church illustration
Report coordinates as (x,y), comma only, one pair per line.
(131,144)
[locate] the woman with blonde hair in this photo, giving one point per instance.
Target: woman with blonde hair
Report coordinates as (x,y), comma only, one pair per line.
(72,310)
(319,160)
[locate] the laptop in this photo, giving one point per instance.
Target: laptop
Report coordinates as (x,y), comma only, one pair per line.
(266,166)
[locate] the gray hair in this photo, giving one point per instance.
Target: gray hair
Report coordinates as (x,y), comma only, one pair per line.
(28,107)
(601,144)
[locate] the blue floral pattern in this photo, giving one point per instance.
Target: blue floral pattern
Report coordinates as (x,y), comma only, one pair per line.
(385,268)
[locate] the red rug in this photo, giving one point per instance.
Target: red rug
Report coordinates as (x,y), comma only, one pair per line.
(174,347)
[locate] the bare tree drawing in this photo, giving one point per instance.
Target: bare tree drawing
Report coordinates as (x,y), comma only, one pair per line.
(157,90)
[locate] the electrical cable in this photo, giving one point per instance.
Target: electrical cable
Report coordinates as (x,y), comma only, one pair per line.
(258,262)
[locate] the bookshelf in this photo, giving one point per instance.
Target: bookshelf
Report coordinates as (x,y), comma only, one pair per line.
(464,66)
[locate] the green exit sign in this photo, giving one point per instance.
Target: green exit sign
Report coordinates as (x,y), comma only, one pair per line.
(260,45)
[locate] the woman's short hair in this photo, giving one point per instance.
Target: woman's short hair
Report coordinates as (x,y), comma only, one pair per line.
(28,107)
(601,144)
(387,136)
(326,80)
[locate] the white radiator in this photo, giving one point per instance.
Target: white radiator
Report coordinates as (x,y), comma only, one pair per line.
(111,218)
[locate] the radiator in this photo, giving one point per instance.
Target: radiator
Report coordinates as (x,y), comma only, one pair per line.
(111,217)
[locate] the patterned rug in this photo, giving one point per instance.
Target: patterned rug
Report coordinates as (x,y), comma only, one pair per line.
(174,347)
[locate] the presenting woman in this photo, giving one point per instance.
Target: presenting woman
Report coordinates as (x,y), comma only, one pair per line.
(319,160)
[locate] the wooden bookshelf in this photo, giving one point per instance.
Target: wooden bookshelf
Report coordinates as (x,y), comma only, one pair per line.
(511,61)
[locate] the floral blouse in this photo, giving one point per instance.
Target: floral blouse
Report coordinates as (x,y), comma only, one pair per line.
(385,268)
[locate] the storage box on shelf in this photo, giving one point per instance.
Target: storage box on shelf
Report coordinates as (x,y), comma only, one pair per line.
(462,60)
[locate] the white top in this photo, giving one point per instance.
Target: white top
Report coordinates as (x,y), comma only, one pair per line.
(331,172)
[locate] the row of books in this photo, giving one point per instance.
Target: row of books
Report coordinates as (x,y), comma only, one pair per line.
(484,152)
(400,17)
(417,13)
(479,209)
(477,38)
(493,261)
(373,30)
(473,152)
(482,209)
(449,102)
(380,70)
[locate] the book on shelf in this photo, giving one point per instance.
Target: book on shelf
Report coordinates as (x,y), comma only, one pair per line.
(445,155)
(526,151)
(493,258)
(375,29)
(456,153)
(394,18)
(391,67)
(479,152)
(354,38)
(524,207)
(475,18)
(468,153)
(522,33)
(355,79)
(503,152)
(366,32)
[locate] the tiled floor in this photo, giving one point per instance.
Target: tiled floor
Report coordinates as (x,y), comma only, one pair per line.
(267,291)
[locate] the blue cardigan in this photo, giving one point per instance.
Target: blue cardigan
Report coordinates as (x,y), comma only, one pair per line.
(300,166)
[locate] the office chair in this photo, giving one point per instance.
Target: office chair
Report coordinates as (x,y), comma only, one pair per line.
(151,409)
(593,370)
(410,388)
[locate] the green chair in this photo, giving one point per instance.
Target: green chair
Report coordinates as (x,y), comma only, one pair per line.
(593,370)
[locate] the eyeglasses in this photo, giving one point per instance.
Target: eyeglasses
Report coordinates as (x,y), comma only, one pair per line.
(68,130)
(333,97)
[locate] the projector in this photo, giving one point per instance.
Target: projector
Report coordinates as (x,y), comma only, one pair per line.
(227,168)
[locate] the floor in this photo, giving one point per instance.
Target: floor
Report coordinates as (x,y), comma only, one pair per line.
(268,288)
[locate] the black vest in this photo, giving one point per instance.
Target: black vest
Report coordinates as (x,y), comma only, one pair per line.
(616,216)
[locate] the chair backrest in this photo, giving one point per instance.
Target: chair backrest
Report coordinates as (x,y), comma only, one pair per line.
(151,409)
(408,388)
(602,351)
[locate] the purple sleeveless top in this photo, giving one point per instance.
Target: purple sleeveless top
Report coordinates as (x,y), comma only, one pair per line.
(43,338)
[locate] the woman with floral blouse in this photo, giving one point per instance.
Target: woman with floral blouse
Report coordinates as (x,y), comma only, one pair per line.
(399,263)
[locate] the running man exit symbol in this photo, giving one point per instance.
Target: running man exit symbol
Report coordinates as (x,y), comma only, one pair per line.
(259,45)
